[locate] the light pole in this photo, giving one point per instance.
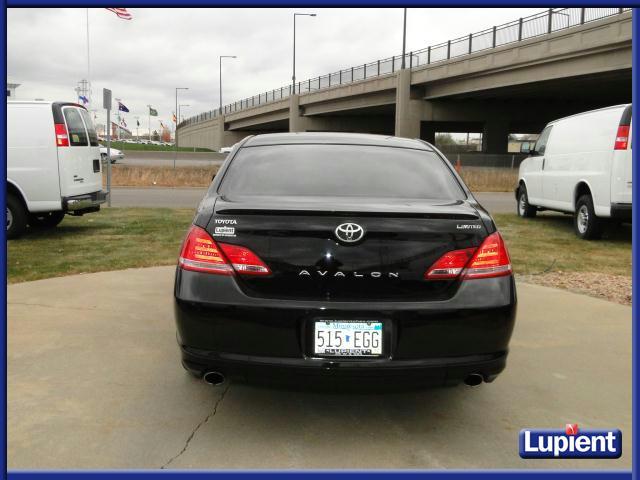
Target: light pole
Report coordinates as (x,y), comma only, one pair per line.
(175,158)
(220,71)
(293,78)
(404,39)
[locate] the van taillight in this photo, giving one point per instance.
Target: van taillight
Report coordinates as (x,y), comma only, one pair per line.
(491,259)
(200,253)
(622,138)
(62,139)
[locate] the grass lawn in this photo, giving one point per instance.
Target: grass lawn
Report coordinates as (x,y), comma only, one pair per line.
(112,239)
(127,147)
(118,238)
(548,242)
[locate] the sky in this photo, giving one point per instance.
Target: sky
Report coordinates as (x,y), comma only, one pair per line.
(142,60)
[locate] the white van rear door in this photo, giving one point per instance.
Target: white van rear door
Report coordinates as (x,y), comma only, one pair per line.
(79,162)
(622,164)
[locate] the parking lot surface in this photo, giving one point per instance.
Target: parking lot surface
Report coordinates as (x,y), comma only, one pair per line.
(94,381)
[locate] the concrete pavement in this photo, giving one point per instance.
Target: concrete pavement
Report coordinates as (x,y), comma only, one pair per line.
(94,381)
(495,202)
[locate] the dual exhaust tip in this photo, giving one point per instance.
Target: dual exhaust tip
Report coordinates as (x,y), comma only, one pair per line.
(218,378)
(214,378)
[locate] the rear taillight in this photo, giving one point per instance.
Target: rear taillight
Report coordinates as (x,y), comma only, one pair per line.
(489,260)
(622,138)
(244,261)
(449,265)
(62,139)
(200,253)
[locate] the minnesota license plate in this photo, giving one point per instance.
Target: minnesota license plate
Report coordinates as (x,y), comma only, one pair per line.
(341,338)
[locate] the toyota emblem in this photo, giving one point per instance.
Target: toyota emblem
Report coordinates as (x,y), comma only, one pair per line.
(349,232)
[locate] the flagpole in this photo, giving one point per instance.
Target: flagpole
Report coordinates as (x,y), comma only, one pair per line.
(88,60)
(149,107)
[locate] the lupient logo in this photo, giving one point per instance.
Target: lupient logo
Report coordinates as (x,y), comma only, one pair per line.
(570,443)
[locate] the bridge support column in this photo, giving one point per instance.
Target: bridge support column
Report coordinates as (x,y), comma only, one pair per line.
(408,110)
(495,136)
(297,123)
(218,136)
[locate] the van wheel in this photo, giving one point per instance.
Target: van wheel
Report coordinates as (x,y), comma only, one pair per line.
(525,209)
(16,217)
(587,225)
(46,219)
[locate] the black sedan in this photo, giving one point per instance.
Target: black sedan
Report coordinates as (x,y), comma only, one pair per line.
(341,259)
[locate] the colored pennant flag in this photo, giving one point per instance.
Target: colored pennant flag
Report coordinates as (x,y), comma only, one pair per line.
(121,13)
(161,124)
(153,112)
(174,117)
(123,123)
(83,99)
(137,123)
(122,107)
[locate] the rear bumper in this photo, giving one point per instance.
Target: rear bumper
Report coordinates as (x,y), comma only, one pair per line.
(621,211)
(219,328)
(84,203)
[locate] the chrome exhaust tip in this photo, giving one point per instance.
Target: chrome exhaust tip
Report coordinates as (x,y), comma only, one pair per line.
(214,378)
(473,379)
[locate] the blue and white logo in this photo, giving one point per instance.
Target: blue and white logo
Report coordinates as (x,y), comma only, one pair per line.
(570,443)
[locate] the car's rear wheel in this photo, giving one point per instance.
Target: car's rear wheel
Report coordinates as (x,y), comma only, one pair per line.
(525,209)
(16,217)
(46,219)
(586,224)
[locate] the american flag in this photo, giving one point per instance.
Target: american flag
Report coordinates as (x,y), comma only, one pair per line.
(121,12)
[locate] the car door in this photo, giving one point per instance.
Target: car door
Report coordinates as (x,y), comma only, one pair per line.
(79,162)
(535,169)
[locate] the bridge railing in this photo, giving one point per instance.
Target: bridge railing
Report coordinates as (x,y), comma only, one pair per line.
(543,23)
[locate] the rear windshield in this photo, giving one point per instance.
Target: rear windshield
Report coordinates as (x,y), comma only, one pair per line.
(93,136)
(77,132)
(339,170)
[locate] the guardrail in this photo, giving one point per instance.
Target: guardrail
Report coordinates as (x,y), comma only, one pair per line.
(542,23)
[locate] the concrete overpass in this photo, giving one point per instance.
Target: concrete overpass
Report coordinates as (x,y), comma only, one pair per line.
(561,62)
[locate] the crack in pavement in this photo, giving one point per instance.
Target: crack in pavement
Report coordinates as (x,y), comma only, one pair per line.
(193,433)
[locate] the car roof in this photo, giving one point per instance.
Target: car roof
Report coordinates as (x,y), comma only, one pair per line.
(334,138)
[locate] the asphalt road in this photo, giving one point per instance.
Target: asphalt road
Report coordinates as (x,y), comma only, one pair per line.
(495,202)
(166,159)
(94,381)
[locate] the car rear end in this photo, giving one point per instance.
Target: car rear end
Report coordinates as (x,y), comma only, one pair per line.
(332,263)
(79,162)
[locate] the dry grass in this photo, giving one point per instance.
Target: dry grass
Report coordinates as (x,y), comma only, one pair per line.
(482,179)
(477,178)
(150,176)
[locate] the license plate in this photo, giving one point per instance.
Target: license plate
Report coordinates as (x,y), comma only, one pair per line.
(347,338)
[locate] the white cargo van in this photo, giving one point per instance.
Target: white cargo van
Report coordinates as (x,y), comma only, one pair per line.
(53,164)
(582,165)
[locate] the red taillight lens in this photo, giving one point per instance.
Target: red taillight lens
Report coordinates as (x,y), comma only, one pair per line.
(622,138)
(490,260)
(200,253)
(244,261)
(62,139)
(449,265)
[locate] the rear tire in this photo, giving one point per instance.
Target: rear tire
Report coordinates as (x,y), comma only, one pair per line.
(46,219)
(16,217)
(525,209)
(587,226)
